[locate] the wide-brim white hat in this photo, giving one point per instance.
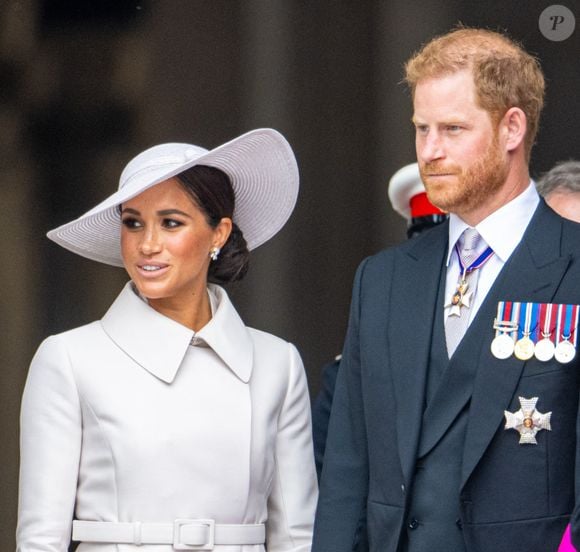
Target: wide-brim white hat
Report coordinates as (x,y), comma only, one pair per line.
(405,184)
(262,169)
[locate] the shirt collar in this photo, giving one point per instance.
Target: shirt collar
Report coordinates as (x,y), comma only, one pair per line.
(159,344)
(504,228)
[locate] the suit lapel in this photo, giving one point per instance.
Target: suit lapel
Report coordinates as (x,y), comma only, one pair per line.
(412,308)
(533,273)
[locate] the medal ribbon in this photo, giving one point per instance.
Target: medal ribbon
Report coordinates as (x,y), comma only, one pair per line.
(507,312)
(545,327)
(574,329)
(516,308)
(532,328)
(567,323)
(541,329)
(499,317)
(544,322)
(559,324)
(560,331)
(525,320)
(479,262)
(503,324)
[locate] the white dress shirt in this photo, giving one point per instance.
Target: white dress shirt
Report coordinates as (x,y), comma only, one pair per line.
(502,231)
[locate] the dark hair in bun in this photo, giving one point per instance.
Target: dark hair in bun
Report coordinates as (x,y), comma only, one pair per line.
(212,191)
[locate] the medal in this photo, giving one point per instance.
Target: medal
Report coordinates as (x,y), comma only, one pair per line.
(524,347)
(527,421)
(541,330)
(565,352)
(545,347)
(502,345)
(566,333)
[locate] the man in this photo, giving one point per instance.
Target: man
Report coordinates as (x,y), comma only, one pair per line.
(408,197)
(560,187)
(447,433)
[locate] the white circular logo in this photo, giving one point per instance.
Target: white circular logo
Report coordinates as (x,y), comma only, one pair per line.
(557,23)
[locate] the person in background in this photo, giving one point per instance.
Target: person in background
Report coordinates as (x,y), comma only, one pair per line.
(409,198)
(560,187)
(453,425)
(407,195)
(169,424)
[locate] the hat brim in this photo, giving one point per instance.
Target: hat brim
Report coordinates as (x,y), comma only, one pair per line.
(405,184)
(264,176)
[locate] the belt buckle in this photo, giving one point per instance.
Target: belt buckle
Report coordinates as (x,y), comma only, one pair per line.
(179,523)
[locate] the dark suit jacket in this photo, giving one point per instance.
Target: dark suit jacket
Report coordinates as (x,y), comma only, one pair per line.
(512,497)
(321,408)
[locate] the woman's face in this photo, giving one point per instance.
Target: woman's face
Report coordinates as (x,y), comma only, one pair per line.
(165,243)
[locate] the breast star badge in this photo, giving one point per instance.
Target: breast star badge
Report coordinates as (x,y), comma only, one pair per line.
(527,421)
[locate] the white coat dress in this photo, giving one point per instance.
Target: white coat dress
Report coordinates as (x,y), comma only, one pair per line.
(129,420)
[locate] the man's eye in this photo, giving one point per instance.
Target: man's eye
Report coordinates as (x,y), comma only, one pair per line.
(131,223)
(453,128)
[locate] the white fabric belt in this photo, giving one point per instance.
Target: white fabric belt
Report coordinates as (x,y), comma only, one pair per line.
(183,534)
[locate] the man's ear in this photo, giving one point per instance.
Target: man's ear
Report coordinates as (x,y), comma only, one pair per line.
(513,127)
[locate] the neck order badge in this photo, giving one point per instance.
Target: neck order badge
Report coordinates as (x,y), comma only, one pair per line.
(469,262)
(461,297)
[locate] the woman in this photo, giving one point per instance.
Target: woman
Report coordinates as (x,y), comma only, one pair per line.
(168,424)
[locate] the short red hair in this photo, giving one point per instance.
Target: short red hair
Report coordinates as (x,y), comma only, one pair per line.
(505,75)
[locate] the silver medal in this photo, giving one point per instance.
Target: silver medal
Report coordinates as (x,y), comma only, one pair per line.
(544,350)
(502,346)
(565,352)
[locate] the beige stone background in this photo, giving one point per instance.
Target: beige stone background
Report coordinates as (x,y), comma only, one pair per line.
(86,84)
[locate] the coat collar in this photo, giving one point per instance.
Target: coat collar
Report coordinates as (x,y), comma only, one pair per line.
(159,344)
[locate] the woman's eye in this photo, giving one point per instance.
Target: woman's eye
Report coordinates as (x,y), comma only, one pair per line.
(171,223)
(131,223)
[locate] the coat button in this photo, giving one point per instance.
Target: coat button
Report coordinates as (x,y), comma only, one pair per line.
(413,524)
(459,523)
(403,489)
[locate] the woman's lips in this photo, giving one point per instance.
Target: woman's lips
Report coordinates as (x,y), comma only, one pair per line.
(152,270)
